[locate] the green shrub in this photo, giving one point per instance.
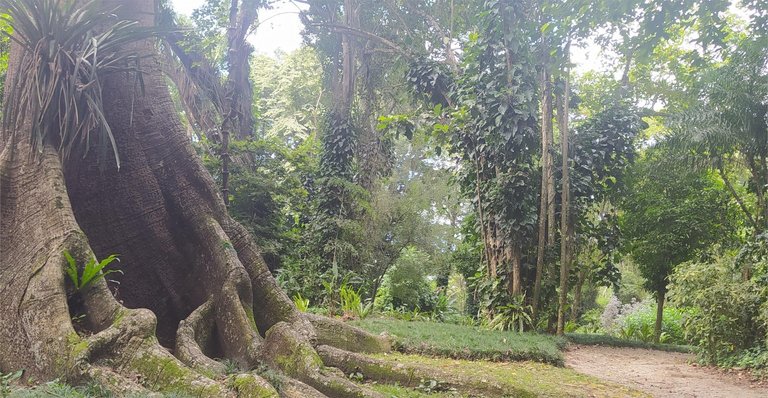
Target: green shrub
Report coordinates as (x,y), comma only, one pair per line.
(352,304)
(640,324)
(589,321)
(726,309)
(407,283)
(755,358)
(514,316)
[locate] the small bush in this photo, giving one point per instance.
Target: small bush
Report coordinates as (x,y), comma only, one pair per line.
(302,304)
(637,320)
(590,321)
(406,285)
(352,304)
(513,316)
(755,358)
(640,324)
(725,319)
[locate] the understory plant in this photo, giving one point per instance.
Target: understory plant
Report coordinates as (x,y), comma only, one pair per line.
(301,303)
(514,316)
(352,303)
(636,320)
(728,311)
(91,272)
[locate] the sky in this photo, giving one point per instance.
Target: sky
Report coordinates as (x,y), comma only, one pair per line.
(280,27)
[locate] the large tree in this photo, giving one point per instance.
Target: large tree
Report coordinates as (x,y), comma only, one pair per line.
(672,214)
(194,288)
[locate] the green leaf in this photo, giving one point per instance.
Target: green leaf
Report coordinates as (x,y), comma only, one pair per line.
(72,270)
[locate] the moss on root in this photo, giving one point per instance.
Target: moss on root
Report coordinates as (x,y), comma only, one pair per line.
(166,374)
(252,386)
(284,349)
(338,334)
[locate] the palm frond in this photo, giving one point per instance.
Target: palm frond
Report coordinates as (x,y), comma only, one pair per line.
(68,49)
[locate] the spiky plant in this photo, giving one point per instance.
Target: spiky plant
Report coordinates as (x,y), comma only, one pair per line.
(67,48)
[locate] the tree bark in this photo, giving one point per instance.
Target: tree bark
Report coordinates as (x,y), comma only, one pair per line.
(194,281)
(577,295)
(514,256)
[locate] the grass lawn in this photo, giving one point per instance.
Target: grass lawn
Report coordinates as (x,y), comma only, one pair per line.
(466,342)
(516,379)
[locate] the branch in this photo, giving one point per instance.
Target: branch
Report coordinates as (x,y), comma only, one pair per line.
(450,57)
(363,34)
(736,196)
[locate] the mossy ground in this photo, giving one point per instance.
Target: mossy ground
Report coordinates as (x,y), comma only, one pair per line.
(518,379)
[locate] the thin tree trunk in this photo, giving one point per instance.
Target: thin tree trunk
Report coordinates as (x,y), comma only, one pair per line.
(546,110)
(763,182)
(736,196)
(759,190)
(483,224)
(550,269)
(659,316)
(237,106)
(565,241)
(577,295)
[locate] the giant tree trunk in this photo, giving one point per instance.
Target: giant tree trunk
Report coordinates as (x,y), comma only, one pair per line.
(195,288)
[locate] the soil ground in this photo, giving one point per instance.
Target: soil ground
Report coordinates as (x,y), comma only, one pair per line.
(659,373)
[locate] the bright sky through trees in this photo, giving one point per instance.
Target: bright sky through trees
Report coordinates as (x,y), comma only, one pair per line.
(280,29)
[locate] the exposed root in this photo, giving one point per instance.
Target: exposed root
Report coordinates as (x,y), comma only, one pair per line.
(332,332)
(292,388)
(114,382)
(252,385)
(195,337)
(407,376)
(285,349)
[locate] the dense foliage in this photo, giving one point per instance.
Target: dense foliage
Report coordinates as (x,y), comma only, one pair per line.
(412,162)
(452,161)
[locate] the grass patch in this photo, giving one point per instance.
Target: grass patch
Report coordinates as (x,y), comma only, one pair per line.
(466,342)
(402,392)
(610,341)
(518,379)
(57,389)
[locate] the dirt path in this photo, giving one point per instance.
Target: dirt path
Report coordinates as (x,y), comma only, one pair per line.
(659,373)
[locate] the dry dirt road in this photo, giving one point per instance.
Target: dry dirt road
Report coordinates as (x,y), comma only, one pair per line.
(659,373)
